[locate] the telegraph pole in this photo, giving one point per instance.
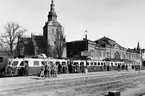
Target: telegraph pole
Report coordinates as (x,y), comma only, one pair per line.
(86,49)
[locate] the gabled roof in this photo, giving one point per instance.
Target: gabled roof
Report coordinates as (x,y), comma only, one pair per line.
(40,41)
(105,41)
(133,50)
(25,40)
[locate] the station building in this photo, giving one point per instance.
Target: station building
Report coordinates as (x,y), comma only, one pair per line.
(103,49)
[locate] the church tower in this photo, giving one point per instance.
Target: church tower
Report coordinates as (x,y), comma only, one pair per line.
(138,47)
(52,14)
(53,34)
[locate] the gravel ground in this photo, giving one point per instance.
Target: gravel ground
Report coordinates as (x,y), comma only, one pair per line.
(87,86)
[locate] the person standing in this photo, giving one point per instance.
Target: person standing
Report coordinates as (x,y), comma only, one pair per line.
(26,67)
(46,70)
(49,69)
(42,70)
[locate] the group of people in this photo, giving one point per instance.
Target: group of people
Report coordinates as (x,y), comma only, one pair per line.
(13,70)
(122,67)
(137,67)
(76,68)
(71,68)
(48,69)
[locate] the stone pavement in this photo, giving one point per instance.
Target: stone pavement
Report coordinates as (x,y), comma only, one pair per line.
(11,83)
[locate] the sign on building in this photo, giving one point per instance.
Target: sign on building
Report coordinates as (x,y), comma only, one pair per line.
(85,53)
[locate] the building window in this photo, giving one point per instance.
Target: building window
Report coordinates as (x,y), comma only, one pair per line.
(52,31)
(104,55)
(100,54)
(108,54)
(1,59)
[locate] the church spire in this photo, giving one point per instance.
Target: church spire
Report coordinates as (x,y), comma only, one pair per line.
(52,5)
(138,47)
(52,14)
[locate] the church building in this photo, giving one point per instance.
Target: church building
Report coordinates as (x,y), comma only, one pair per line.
(52,43)
(53,34)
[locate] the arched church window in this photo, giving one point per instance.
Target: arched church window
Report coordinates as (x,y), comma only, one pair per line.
(117,55)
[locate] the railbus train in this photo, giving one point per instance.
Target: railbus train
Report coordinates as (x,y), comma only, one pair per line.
(63,65)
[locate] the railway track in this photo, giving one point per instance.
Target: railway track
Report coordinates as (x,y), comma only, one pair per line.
(90,86)
(102,87)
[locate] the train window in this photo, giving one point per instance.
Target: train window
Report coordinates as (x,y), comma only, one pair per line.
(91,63)
(57,63)
(81,63)
(15,63)
(98,63)
(1,59)
(26,62)
(22,63)
(87,63)
(111,64)
(36,63)
(101,63)
(44,62)
(115,63)
(95,63)
(76,63)
(63,63)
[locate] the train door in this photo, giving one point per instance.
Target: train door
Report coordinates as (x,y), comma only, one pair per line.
(21,69)
(91,67)
(59,67)
(82,67)
(64,67)
(35,67)
(108,65)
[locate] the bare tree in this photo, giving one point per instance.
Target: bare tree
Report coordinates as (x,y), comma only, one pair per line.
(8,39)
(34,45)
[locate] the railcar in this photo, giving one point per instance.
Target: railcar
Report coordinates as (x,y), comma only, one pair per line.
(95,65)
(17,66)
(34,65)
(63,65)
(4,60)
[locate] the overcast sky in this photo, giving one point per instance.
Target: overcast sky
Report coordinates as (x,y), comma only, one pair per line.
(120,20)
